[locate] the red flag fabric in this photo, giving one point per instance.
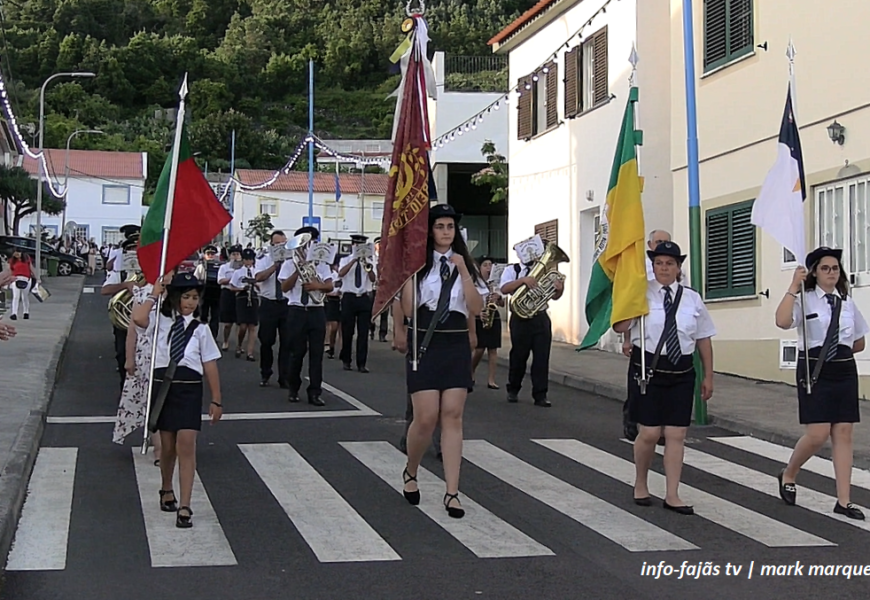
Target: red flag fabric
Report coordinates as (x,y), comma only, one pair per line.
(406,206)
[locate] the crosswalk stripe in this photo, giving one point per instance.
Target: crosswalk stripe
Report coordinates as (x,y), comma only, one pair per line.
(486,535)
(204,545)
(627,530)
(732,516)
(334,531)
(766,484)
(43,530)
(816,464)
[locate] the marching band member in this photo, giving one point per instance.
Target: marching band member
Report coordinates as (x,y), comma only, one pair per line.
(836,330)
(356,305)
(243,283)
(274,315)
(307,324)
(333,312)
(383,324)
(488,339)
(532,335)
(115,282)
(228,296)
(185,353)
(450,291)
(207,273)
(677,323)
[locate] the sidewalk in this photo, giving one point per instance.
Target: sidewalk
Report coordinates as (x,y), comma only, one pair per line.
(761,409)
(28,367)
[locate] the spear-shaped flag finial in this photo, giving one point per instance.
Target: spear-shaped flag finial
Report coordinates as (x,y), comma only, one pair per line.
(182,93)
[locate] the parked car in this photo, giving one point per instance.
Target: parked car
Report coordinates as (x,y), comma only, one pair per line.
(67,263)
(188,265)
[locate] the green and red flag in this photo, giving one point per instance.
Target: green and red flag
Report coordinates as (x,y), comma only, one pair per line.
(197,214)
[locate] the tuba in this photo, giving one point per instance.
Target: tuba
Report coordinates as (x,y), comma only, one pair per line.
(121,304)
(307,273)
(527,302)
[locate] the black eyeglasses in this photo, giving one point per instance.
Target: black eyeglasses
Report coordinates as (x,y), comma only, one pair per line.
(829,268)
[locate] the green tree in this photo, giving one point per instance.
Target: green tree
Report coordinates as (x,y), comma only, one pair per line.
(259,227)
(495,176)
(18,190)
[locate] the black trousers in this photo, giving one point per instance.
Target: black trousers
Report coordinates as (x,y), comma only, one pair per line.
(274,322)
(307,332)
(209,309)
(356,313)
(121,352)
(530,336)
(383,324)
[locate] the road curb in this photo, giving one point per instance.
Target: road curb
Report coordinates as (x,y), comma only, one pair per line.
(16,472)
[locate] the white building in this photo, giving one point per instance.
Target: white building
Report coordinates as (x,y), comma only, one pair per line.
(286,202)
(104,194)
(564,125)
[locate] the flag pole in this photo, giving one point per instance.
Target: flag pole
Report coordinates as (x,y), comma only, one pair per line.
(167,222)
(414,354)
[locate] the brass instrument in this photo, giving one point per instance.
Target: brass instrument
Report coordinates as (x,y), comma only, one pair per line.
(121,304)
(307,273)
(364,253)
(527,302)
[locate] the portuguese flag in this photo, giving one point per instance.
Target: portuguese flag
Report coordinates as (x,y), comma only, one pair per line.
(617,287)
(197,215)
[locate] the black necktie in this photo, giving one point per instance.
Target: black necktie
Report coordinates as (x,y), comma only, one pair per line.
(278,291)
(445,269)
(672,340)
(444,297)
(357,276)
(833,330)
(176,340)
(304,296)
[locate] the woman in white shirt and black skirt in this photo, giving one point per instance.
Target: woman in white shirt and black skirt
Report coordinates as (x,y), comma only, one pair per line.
(677,323)
(440,384)
(835,332)
(186,351)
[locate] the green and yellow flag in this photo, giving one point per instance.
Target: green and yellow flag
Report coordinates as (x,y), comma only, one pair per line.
(617,287)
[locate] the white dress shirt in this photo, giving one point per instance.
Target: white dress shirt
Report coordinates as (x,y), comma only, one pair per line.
(239,274)
(510,274)
(294,296)
(336,280)
(112,278)
(348,282)
(650,274)
(430,287)
(693,320)
(201,348)
(118,255)
(852,324)
(267,286)
(226,271)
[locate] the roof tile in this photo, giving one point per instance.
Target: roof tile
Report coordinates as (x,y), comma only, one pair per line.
(324,183)
(91,163)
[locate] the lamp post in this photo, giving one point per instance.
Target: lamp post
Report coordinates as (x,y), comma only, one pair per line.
(66,172)
(39,162)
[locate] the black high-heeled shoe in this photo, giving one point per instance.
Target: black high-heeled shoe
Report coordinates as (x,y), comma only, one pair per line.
(456,513)
(169,505)
(413,498)
(184,521)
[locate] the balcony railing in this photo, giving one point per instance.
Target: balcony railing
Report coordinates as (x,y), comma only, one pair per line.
(475,73)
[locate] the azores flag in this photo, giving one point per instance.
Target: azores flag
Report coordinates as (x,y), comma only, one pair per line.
(779,208)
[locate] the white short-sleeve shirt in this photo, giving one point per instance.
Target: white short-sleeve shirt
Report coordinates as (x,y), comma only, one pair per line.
(853,326)
(430,287)
(226,271)
(267,286)
(201,349)
(348,282)
(239,274)
(693,319)
(294,296)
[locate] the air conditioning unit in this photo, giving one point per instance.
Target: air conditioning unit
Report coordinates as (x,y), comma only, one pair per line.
(788,354)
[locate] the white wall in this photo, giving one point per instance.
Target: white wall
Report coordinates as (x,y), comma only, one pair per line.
(339,220)
(86,207)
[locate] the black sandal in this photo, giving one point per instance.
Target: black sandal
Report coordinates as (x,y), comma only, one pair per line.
(456,513)
(239,353)
(169,505)
(184,521)
(251,358)
(413,498)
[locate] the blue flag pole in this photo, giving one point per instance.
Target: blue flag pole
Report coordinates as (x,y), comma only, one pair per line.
(311,140)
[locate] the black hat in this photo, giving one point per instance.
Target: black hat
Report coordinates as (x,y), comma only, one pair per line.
(129,230)
(184,281)
(248,254)
(235,248)
(443,210)
(818,254)
(130,243)
(377,239)
(358,239)
(666,249)
(210,249)
(315,234)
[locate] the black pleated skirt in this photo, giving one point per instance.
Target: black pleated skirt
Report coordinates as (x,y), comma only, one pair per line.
(182,408)
(333,308)
(488,339)
(227,307)
(835,395)
(670,392)
(446,364)
(247,313)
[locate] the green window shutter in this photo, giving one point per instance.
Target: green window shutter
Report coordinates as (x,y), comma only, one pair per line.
(730,252)
(728,31)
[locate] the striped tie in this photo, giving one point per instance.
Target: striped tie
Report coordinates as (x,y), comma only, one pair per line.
(674,352)
(833,330)
(445,269)
(176,343)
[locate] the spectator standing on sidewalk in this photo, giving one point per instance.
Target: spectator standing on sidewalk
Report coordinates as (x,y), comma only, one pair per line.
(22,271)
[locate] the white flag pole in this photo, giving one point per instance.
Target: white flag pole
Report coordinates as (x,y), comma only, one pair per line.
(167,223)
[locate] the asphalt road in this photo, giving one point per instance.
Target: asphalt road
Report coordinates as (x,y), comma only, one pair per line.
(304,503)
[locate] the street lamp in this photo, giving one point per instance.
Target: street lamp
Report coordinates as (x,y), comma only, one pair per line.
(66,171)
(39,162)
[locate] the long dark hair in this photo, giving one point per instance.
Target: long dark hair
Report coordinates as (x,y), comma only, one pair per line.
(842,283)
(172,303)
(458,246)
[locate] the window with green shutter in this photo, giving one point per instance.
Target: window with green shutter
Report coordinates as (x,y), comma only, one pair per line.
(730,252)
(728,31)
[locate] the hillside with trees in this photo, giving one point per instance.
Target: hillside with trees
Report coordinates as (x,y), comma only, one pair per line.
(247,62)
